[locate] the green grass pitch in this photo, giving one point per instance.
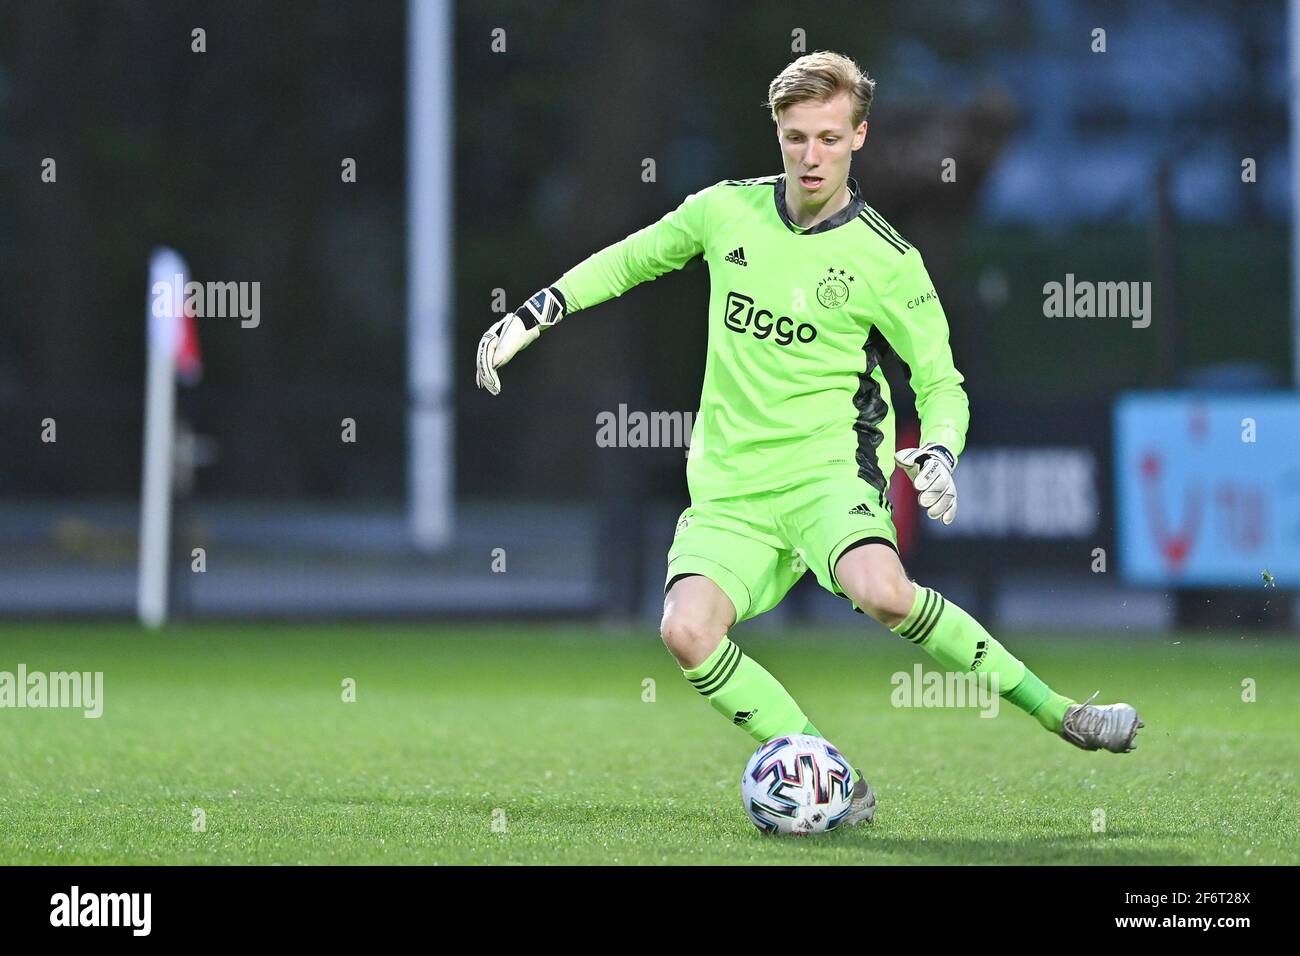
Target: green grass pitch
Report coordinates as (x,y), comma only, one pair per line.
(543,729)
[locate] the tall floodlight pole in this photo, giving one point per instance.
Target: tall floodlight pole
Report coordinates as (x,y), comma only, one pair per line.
(429,112)
(1293,71)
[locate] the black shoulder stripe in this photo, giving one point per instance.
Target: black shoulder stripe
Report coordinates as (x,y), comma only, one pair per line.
(880,221)
(883,223)
(883,235)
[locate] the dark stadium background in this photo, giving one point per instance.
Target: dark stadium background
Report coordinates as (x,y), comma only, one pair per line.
(1123,164)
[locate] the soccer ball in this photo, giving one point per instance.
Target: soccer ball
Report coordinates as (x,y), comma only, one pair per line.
(798,785)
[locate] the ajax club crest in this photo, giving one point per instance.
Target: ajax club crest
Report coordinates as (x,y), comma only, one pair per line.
(833,289)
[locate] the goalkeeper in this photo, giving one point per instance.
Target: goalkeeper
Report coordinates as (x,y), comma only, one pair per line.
(793,445)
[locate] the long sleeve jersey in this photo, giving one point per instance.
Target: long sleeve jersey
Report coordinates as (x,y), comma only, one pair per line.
(799,321)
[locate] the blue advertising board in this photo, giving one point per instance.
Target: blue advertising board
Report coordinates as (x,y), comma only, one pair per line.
(1207,488)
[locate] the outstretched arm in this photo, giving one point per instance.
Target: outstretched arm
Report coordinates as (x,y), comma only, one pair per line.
(646,254)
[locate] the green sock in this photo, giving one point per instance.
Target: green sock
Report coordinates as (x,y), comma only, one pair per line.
(1037,699)
(960,643)
(740,689)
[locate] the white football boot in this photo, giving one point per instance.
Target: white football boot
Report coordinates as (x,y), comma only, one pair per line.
(1101,726)
(862,806)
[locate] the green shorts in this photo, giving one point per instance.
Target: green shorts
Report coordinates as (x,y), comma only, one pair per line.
(755,548)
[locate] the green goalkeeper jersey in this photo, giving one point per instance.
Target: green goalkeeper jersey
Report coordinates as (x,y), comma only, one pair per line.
(799,320)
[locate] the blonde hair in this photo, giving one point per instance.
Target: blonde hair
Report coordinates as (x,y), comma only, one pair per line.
(820,76)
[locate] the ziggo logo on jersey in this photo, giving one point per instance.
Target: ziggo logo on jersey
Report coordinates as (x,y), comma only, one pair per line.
(739,315)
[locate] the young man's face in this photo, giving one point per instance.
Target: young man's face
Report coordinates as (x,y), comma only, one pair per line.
(817,143)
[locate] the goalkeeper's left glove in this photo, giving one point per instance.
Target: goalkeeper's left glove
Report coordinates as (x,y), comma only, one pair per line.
(930,468)
(507,337)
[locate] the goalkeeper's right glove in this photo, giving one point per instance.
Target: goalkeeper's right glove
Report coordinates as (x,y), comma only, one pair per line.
(516,332)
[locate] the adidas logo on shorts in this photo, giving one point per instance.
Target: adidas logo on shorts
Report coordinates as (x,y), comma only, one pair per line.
(862,509)
(737,256)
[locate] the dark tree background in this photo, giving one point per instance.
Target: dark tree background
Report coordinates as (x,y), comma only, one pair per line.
(233,157)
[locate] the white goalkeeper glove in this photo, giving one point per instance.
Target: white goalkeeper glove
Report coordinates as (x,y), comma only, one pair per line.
(930,468)
(511,335)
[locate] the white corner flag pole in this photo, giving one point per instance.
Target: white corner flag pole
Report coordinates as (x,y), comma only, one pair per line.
(429,132)
(166,268)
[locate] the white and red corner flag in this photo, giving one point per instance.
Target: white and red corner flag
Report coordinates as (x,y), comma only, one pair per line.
(173,353)
(171,327)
